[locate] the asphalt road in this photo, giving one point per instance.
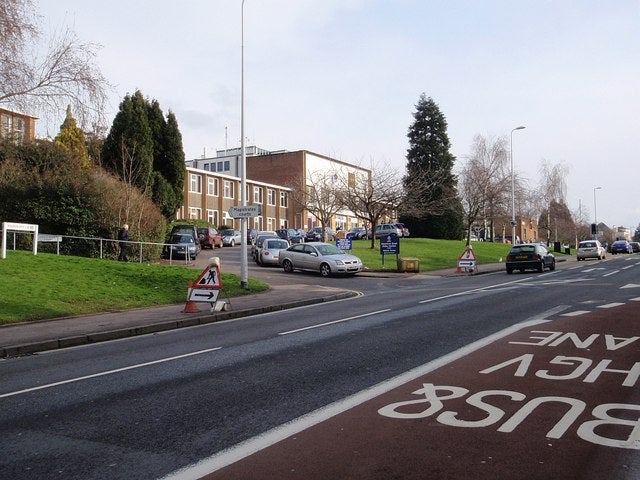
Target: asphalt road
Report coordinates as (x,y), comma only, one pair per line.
(167,404)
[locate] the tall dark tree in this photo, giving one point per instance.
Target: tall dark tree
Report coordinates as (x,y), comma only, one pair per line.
(145,150)
(432,207)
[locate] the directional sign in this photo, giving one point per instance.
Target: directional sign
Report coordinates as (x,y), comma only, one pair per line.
(247,211)
(203,295)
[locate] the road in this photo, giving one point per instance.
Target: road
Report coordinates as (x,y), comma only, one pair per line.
(180,403)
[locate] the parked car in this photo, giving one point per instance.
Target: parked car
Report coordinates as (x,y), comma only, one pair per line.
(291,235)
(257,243)
(188,229)
(209,237)
(530,256)
(231,237)
(180,245)
(403,229)
(315,234)
(269,252)
(357,233)
(385,229)
(621,246)
(590,249)
(319,257)
(635,246)
(252,233)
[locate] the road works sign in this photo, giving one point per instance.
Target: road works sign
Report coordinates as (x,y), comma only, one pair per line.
(247,211)
(467,261)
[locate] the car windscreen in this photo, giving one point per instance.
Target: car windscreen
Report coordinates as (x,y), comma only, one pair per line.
(524,249)
(282,244)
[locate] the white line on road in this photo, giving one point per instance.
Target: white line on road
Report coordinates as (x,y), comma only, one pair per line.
(108,372)
(610,305)
(611,273)
(334,321)
(575,313)
(475,290)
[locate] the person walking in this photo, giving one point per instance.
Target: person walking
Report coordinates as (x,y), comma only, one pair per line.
(123,238)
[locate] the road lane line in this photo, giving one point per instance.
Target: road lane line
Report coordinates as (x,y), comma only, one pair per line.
(108,372)
(611,273)
(575,313)
(610,305)
(475,290)
(334,321)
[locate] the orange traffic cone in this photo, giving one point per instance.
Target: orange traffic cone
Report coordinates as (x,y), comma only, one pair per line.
(190,306)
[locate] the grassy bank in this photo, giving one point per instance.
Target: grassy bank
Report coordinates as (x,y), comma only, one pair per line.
(50,286)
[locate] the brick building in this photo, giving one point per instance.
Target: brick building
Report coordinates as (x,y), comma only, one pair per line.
(18,127)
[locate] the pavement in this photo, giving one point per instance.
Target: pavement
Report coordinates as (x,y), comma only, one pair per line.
(38,336)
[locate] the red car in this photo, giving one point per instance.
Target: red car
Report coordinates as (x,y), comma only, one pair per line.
(209,237)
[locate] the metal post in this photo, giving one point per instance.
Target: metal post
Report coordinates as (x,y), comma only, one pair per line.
(513,191)
(243,169)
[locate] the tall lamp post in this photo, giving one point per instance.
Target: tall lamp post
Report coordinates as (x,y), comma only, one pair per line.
(243,168)
(513,191)
(595,211)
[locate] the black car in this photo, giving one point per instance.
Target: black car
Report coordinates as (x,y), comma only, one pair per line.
(189,230)
(180,245)
(530,256)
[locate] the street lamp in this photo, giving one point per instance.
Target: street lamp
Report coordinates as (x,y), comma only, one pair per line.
(513,191)
(595,208)
(243,167)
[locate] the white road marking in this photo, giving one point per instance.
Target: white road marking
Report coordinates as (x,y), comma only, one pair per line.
(610,305)
(611,273)
(108,372)
(575,313)
(334,321)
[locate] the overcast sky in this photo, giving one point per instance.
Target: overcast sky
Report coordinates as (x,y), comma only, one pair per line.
(342,78)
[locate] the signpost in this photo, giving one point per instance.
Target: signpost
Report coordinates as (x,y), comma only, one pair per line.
(19,227)
(248,211)
(389,245)
(467,261)
(206,288)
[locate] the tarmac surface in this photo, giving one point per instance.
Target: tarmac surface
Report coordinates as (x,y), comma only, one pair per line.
(32,337)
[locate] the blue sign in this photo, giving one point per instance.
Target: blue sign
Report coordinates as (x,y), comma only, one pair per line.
(344,243)
(390,244)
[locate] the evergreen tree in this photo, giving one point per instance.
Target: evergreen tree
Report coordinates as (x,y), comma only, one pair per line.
(71,138)
(146,151)
(432,207)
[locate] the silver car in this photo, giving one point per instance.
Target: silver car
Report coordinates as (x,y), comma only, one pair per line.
(269,252)
(231,238)
(590,249)
(319,257)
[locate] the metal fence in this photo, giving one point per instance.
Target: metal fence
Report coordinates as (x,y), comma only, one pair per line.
(92,247)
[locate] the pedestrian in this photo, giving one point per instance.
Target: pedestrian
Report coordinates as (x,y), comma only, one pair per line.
(123,237)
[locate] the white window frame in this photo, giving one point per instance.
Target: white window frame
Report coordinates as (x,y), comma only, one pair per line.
(229,189)
(213,186)
(195,183)
(271,197)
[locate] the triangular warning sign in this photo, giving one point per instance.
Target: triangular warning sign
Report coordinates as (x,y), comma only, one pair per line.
(210,278)
(468,255)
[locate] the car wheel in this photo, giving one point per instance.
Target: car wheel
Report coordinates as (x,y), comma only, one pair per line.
(232,243)
(509,271)
(288,266)
(541,266)
(325,270)
(552,267)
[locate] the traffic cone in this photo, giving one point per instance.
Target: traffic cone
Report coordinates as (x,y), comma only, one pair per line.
(190,306)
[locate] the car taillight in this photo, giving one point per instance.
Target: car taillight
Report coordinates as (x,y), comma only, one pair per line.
(266,254)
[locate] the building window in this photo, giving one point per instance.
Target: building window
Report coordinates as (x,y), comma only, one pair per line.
(228,189)
(284,199)
(212,217)
(352,180)
(271,223)
(212,186)
(227,165)
(195,185)
(6,126)
(195,213)
(271,196)
(219,166)
(257,195)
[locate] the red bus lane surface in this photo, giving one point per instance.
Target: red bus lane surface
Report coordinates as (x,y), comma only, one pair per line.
(554,400)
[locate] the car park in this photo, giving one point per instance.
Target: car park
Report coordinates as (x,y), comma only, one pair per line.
(590,249)
(291,235)
(635,246)
(230,237)
(269,251)
(315,234)
(529,256)
(319,257)
(621,246)
(209,237)
(258,241)
(180,245)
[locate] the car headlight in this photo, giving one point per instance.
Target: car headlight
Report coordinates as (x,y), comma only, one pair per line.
(339,262)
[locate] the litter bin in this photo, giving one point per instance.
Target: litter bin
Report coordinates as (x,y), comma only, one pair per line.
(556,247)
(567,250)
(408,265)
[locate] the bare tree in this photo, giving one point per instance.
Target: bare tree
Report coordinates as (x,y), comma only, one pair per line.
(46,83)
(320,196)
(375,197)
(551,190)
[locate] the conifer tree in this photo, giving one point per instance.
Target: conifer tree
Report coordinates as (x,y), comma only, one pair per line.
(72,139)
(432,207)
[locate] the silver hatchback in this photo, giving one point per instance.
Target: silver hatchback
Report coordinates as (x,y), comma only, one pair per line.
(319,257)
(590,249)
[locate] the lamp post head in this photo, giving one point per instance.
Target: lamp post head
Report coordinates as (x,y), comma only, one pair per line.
(521,127)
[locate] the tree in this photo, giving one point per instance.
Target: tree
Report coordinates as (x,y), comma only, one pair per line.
(484,184)
(65,73)
(145,150)
(375,197)
(432,207)
(552,202)
(72,139)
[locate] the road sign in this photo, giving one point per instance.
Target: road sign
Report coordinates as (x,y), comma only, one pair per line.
(203,295)
(209,278)
(389,244)
(344,243)
(247,211)
(467,261)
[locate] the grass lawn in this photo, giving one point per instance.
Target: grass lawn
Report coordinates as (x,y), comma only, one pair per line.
(50,286)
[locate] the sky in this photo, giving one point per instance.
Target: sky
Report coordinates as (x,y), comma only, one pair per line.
(342,78)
